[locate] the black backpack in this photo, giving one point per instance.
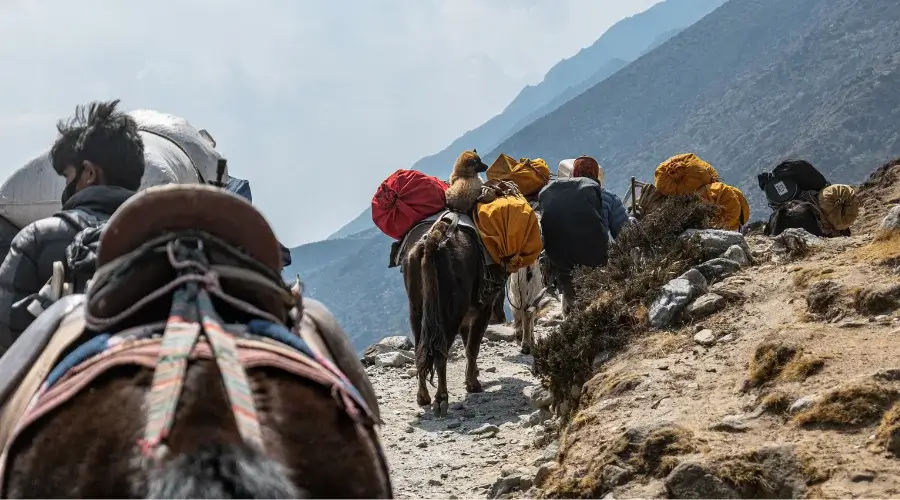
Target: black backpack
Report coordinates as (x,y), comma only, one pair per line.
(81,254)
(789,178)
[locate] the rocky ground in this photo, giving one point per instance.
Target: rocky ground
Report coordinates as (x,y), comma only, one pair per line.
(492,443)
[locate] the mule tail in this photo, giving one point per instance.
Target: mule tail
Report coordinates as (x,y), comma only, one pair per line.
(435,291)
(222,471)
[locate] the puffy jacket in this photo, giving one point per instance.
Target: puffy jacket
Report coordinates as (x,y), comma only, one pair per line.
(572,223)
(614,214)
(29,263)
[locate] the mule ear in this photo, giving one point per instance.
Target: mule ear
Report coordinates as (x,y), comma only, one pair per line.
(474,150)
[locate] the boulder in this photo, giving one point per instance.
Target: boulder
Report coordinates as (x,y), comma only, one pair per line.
(705,305)
(500,333)
(393,360)
(697,279)
(737,254)
(715,242)
(538,396)
(792,244)
(693,480)
(890,225)
(673,298)
(386,345)
(718,268)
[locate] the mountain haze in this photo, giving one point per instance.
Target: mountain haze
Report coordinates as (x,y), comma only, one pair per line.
(621,43)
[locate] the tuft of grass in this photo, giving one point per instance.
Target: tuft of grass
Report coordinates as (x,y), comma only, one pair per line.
(879,300)
(854,405)
(777,402)
(780,361)
(611,302)
(888,434)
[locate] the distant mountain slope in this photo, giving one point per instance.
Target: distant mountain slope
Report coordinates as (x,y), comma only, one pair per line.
(623,42)
(312,256)
(752,83)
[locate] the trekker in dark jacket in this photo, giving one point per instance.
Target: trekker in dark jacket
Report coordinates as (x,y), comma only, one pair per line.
(575,224)
(101,155)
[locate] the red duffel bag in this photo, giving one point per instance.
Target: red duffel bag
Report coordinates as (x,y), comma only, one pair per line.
(406,198)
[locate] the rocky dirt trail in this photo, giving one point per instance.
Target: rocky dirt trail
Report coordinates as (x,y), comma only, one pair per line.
(491,443)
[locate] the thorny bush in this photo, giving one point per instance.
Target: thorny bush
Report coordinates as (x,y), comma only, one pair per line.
(611,302)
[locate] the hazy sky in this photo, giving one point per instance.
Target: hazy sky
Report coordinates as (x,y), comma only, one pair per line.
(313,101)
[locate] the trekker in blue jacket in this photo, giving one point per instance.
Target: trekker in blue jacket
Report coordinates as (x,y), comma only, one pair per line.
(578,217)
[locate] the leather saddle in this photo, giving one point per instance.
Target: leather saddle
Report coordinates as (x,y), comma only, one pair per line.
(135,267)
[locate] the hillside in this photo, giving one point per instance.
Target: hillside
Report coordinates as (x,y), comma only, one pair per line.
(752,83)
(623,42)
(789,389)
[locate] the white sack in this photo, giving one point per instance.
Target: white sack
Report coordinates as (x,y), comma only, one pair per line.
(564,171)
(33,192)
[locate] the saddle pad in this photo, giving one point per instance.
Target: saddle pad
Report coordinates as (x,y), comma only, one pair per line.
(38,350)
(418,231)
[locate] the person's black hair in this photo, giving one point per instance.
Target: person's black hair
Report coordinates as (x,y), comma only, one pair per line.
(107,138)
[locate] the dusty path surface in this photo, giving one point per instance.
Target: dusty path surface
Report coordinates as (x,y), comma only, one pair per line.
(490,443)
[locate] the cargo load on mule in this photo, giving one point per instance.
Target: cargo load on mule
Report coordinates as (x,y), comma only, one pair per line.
(689,174)
(567,167)
(529,175)
(801,197)
(508,226)
(187,310)
(406,198)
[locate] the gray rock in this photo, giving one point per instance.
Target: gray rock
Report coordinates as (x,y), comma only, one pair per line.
(729,289)
(705,338)
(737,254)
(544,472)
(434,482)
(485,430)
(599,359)
(392,360)
(705,305)
(862,476)
(672,300)
(500,333)
(715,242)
(803,403)
(717,269)
(692,480)
(793,243)
(890,224)
(386,345)
(538,396)
(732,423)
(697,280)
(614,475)
(507,484)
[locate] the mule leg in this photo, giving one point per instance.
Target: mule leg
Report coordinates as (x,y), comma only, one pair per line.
(441,396)
(476,333)
(518,325)
(527,331)
(415,322)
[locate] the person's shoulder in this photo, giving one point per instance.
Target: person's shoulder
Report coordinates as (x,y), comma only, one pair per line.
(49,228)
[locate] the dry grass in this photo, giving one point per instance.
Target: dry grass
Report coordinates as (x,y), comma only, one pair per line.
(610,385)
(777,402)
(611,305)
(854,405)
(781,361)
(879,300)
(649,452)
(880,251)
(888,435)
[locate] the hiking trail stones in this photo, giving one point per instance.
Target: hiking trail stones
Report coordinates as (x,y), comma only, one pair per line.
(387,345)
(705,305)
(715,242)
(890,225)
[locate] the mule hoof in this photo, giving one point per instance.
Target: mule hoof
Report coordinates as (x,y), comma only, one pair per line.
(423,400)
(440,408)
(526,349)
(474,387)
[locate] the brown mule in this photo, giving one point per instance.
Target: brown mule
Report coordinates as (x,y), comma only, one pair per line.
(306,427)
(444,274)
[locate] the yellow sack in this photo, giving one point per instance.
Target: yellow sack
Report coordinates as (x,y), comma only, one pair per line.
(839,205)
(724,196)
(745,205)
(510,231)
(529,175)
(683,174)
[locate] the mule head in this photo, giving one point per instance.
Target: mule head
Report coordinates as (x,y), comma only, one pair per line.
(469,164)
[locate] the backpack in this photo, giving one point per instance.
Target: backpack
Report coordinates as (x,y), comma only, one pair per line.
(406,198)
(801,173)
(72,275)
